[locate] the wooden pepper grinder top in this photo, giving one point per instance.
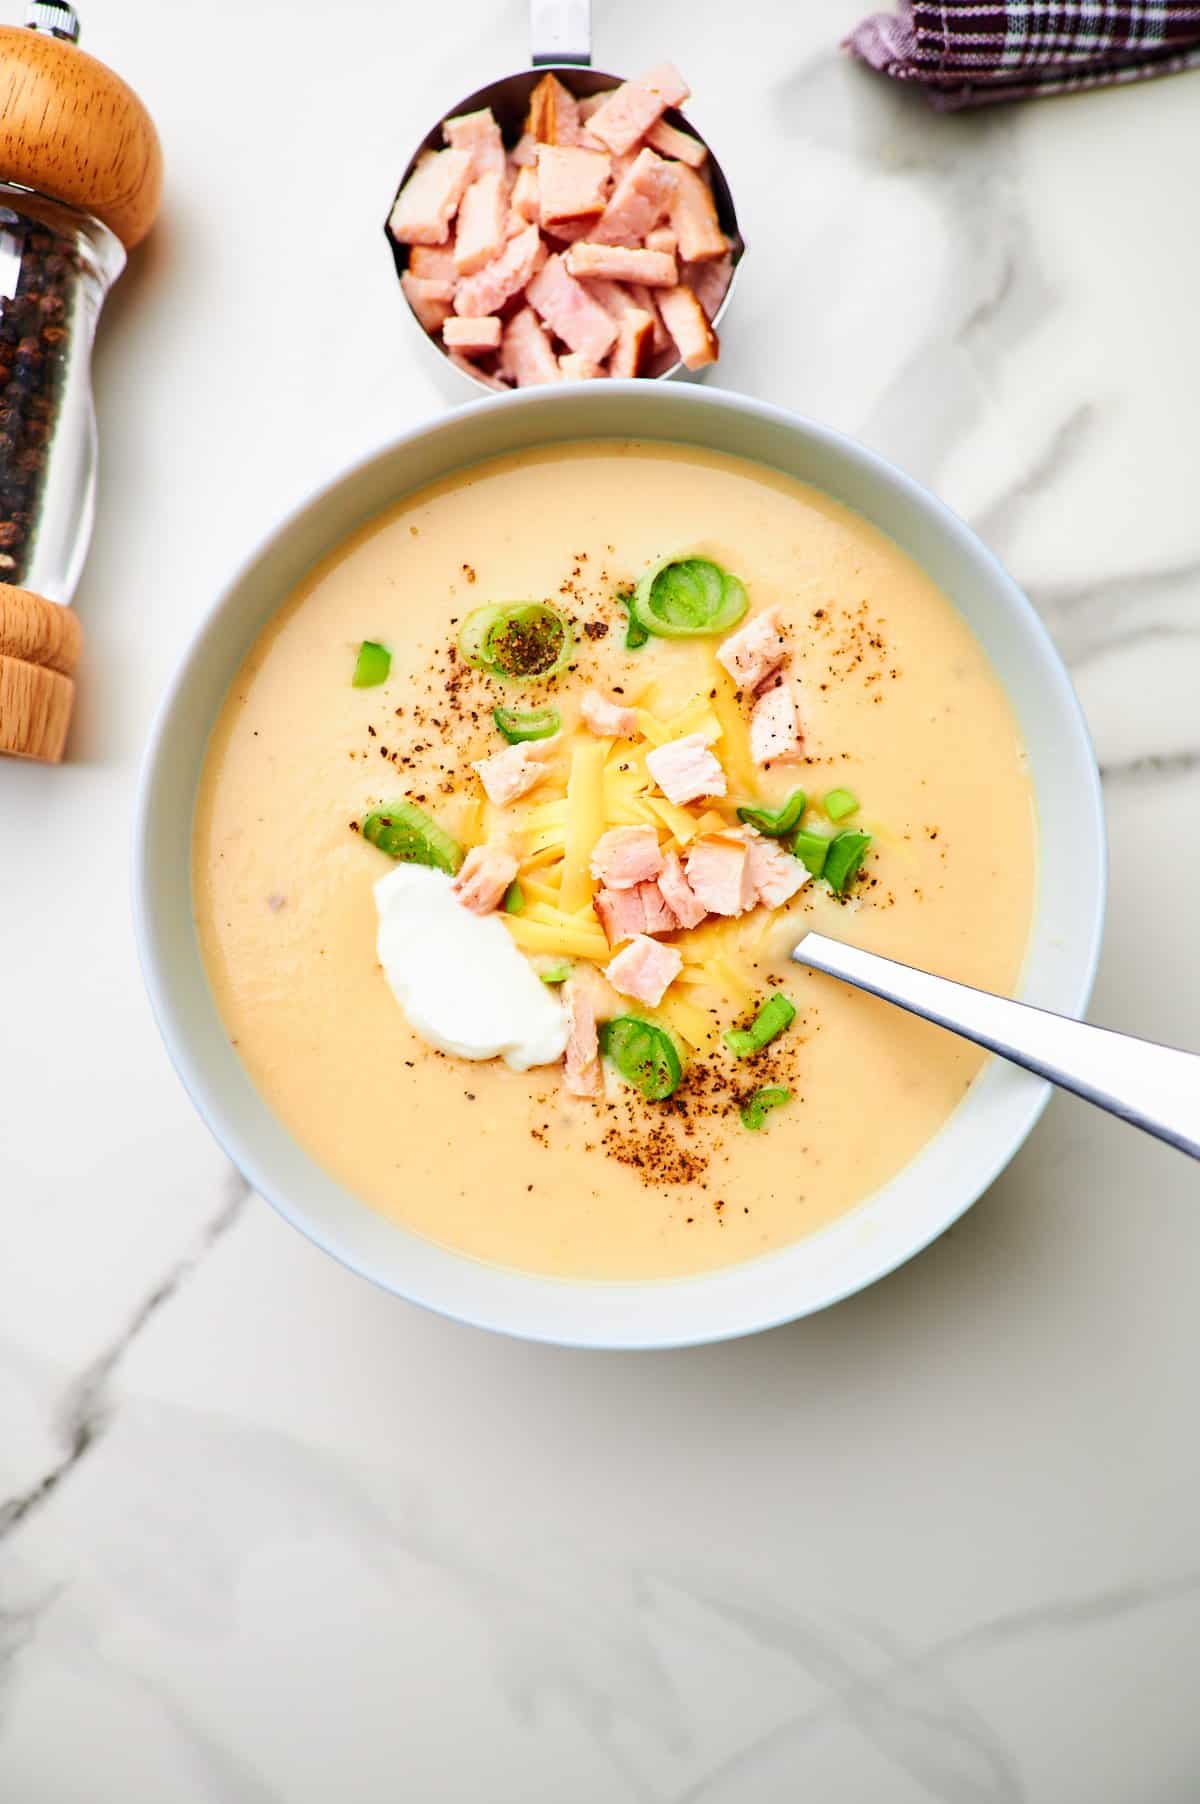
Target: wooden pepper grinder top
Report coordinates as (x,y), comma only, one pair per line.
(80,183)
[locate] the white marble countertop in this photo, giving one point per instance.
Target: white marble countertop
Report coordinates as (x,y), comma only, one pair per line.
(272,1537)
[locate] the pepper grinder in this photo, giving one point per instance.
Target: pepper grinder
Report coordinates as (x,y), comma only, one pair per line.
(80,182)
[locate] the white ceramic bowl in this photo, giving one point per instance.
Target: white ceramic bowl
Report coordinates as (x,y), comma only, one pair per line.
(916,1206)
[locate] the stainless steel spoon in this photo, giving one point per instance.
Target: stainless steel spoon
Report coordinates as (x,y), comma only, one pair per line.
(1156,1088)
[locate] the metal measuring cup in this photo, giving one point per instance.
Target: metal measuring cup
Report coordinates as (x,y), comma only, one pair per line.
(561,45)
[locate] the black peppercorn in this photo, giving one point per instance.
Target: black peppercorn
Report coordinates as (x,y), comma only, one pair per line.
(35,345)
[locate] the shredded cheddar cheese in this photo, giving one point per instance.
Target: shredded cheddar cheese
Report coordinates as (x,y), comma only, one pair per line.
(585,821)
(542,859)
(547,814)
(652,729)
(735,735)
(690,1022)
(681,825)
(538,892)
(571,941)
(699,716)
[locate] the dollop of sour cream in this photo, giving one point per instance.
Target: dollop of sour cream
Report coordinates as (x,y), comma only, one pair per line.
(459,978)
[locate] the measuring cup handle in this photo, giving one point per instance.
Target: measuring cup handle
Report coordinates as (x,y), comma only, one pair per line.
(560,31)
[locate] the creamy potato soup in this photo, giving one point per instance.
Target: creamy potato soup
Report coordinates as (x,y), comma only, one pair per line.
(514,811)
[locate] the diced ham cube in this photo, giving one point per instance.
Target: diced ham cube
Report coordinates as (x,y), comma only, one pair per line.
(432,262)
(775,735)
(678,893)
(630,110)
(591,105)
(687,322)
(569,310)
(581,1069)
(523,202)
(429,198)
(621,912)
(523,154)
(626,856)
(572,183)
(512,773)
(621,298)
(639,201)
(622,264)
(575,367)
(776,875)
(481,220)
(694,219)
(644,970)
(567,231)
(626,912)
(472,334)
(614,297)
(503,277)
(662,238)
(635,344)
(526,354)
(660,916)
(429,300)
(607,719)
(473,370)
(485,875)
(479,135)
(553,113)
(644,298)
(681,146)
(754,652)
(718,869)
(685,769)
(709,281)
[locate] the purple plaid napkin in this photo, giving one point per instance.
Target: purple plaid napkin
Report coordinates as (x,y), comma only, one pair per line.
(966,53)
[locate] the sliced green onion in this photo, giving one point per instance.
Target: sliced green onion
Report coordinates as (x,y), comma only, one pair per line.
(839,803)
(686,598)
(372,665)
(521,641)
(776,1014)
(811,849)
(536,723)
(846,853)
(759,1106)
(530,641)
(644,1055)
(472,635)
(558,972)
(776,821)
(406,833)
(514,899)
(635,633)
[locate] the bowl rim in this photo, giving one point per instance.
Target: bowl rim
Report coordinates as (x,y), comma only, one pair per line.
(619,1327)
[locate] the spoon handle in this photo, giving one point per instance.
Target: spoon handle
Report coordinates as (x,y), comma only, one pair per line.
(560,31)
(1153,1087)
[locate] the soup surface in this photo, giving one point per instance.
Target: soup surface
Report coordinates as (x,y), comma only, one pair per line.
(899,707)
